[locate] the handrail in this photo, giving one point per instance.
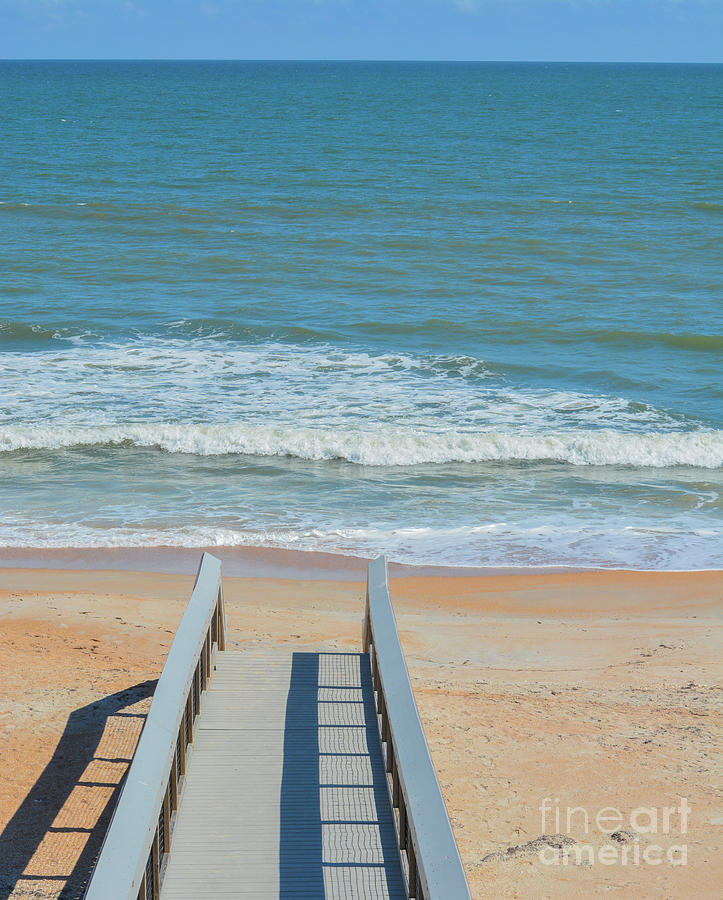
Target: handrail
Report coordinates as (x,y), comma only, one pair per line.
(132,859)
(430,858)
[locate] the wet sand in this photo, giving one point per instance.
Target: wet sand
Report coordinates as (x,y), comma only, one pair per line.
(592,689)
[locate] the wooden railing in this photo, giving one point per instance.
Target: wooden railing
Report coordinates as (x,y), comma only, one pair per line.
(132,859)
(430,858)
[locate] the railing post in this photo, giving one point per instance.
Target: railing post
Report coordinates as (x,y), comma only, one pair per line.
(155,867)
(175,770)
(412,859)
(221,619)
(385,721)
(197,689)
(189,719)
(167,816)
(184,741)
(366,626)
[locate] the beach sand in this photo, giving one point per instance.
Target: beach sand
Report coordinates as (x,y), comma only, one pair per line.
(594,689)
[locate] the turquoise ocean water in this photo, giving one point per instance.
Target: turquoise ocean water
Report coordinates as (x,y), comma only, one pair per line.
(464,313)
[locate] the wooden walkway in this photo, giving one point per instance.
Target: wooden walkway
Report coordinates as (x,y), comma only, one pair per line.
(285,794)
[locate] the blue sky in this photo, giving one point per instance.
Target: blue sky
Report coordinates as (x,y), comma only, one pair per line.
(615,30)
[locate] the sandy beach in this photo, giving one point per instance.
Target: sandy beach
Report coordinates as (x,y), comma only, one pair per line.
(592,689)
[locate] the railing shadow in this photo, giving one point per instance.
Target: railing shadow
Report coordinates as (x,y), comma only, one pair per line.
(34,822)
(337,834)
(300,838)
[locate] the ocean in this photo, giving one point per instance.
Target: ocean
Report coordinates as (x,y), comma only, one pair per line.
(465,314)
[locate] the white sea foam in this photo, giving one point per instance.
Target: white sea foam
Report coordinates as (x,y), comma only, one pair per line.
(385,446)
(493,545)
(172,380)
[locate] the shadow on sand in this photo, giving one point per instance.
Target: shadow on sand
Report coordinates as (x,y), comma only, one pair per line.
(34,823)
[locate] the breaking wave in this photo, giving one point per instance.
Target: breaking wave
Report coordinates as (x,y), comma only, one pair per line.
(386,446)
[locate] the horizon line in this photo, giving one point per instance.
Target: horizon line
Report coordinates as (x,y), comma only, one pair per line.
(221,59)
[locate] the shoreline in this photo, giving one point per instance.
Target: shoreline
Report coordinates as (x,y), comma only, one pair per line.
(274,562)
(240,562)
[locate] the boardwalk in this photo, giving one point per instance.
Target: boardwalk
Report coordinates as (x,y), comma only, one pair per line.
(285,794)
(264,775)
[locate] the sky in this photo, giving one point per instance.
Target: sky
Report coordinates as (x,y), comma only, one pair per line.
(572,30)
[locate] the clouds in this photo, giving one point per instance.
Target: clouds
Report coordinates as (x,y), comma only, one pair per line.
(466,6)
